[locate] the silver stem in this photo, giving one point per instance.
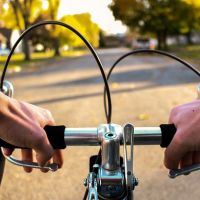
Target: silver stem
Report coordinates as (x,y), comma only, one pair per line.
(110,146)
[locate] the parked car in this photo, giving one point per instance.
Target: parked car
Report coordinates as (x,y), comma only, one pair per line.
(144,43)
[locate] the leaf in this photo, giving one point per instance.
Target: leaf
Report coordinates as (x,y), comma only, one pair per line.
(143,116)
(115,85)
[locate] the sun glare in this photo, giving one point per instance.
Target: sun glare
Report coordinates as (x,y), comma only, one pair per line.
(5,6)
(100,13)
(45,5)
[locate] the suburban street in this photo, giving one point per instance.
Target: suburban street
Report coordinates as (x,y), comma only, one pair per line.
(144,90)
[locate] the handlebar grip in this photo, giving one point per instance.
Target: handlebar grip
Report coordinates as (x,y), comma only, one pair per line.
(55,136)
(168,132)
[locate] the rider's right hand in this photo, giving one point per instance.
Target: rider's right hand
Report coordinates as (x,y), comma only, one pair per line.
(22,125)
(184,149)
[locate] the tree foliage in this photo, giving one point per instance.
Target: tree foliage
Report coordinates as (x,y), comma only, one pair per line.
(83,23)
(20,14)
(160,17)
(52,13)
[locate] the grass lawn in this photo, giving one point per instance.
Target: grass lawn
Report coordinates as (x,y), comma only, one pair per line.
(17,61)
(190,53)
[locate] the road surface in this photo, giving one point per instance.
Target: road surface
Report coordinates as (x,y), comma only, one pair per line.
(144,89)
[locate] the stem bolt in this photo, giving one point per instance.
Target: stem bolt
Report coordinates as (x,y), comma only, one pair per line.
(135,181)
(85,182)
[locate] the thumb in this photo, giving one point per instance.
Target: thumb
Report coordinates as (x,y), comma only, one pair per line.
(44,151)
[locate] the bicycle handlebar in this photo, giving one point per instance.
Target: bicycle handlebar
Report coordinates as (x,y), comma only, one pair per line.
(60,137)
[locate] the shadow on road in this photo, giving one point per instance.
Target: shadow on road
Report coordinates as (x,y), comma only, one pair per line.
(154,76)
(81,96)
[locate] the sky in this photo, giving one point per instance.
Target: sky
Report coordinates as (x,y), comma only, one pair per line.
(99,11)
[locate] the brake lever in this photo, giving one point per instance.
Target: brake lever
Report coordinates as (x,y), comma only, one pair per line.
(128,137)
(185,171)
(8,88)
(52,167)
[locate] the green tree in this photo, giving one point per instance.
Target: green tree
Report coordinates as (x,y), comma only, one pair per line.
(20,14)
(83,23)
(193,19)
(91,28)
(160,17)
(42,35)
(52,13)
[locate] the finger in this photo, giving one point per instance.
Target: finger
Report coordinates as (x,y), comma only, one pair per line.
(58,158)
(187,160)
(43,149)
(196,157)
(45,170)
(7,152)
(27,155)
(175,152)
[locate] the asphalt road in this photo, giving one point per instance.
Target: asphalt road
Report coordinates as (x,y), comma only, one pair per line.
(144,89)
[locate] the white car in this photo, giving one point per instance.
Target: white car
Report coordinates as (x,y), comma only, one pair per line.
(144,43)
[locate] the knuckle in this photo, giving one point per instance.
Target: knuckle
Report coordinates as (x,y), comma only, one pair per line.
(48,113)
(50,116)
(174,115)
(178,140)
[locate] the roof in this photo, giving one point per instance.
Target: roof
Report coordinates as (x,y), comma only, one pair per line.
(6,32)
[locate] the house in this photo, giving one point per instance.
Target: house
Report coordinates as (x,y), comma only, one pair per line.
(5,38)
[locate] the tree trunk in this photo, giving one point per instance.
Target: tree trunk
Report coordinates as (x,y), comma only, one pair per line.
(162,40)
(8,44)
(17,8)
(26,49)
(159,40)
(188,37)
(165,46)
(56,47)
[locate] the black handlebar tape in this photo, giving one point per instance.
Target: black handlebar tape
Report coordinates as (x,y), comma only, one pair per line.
(55,135)
(168,132)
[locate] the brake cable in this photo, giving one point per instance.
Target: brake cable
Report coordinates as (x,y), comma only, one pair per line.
(186,64)
(94,53)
